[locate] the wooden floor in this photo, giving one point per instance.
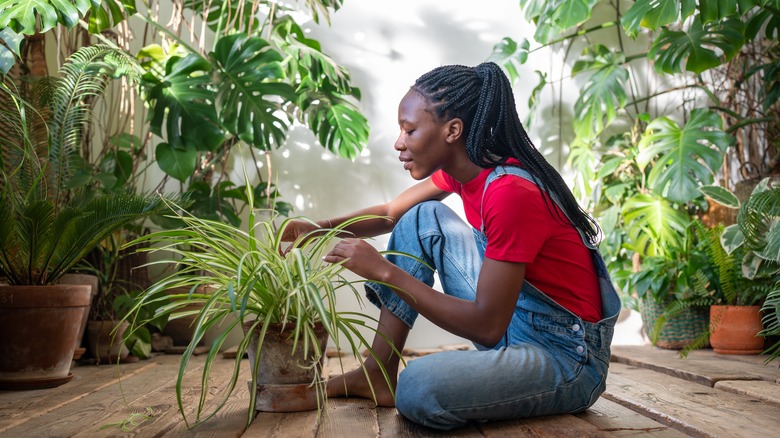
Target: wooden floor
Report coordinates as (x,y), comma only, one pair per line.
(650,392)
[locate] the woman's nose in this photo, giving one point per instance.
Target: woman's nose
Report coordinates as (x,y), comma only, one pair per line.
(399,144)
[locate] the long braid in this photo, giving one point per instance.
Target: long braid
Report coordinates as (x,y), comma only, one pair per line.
(482,98)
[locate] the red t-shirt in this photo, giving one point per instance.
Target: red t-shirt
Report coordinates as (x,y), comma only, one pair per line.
(521,229)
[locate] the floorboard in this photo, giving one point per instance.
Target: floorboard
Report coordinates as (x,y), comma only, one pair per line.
(650,392)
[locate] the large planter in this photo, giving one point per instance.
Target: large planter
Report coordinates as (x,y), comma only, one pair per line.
(734,329)
(680,330)
(105,340)
(38,329)
(284,379)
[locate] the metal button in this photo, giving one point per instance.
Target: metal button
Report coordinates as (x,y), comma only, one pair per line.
(580,349)
(575,327)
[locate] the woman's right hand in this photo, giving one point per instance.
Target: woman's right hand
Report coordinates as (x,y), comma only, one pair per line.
(297,228)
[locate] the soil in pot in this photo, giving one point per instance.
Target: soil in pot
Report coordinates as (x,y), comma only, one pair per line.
(734,329)
(284,381)
(39,326)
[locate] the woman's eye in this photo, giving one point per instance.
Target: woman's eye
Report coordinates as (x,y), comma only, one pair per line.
(409,132)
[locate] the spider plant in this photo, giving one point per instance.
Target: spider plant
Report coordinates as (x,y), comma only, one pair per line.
(252,277)
(47,226)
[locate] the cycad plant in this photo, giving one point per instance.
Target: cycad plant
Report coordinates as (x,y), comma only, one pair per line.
(250,279)
(47,226)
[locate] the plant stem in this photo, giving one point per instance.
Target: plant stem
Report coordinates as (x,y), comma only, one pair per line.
(577,34)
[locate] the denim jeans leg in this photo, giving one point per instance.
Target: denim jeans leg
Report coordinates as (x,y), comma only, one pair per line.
(435,234)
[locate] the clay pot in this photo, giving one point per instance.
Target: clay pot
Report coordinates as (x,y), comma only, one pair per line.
(284,378)
(734,329)
(92,282)
(39,327)
(105,344)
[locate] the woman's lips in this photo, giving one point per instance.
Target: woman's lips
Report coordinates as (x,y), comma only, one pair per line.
(407,165)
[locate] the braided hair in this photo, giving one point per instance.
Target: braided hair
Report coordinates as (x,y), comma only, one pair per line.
(482,98)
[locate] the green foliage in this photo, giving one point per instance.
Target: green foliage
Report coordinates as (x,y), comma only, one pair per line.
(603,93)
(47,227)
(686,158)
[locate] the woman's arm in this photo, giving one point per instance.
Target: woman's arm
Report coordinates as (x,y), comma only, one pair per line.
(423,191)
(483,320)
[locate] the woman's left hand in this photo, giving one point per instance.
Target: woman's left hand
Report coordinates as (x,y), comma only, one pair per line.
(363,259)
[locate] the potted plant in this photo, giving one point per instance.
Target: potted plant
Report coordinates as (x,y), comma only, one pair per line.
(47,226)
(121,277)
(273,292)
(749,263)
(674,291)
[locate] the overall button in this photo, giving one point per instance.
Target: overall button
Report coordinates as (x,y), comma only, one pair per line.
(575,327)
(580,349)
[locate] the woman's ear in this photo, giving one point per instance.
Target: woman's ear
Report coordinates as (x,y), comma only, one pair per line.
(454,130)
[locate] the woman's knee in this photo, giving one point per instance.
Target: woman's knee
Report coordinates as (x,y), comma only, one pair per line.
(418,398)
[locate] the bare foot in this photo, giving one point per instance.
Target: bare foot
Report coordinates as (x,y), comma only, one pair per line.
(355,384)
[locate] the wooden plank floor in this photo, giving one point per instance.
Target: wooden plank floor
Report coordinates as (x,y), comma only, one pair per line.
(650,392)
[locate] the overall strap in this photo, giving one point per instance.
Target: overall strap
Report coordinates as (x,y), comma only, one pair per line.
(500,171)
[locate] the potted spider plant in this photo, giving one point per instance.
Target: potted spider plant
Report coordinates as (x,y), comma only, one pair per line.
(276,294)
(47,226)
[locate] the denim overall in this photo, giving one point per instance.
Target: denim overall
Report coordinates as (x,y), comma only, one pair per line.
(550,361)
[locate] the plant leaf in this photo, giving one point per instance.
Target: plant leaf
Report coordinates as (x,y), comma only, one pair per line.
(696,47)
(603,93)
(652,14)
(181,104)
(684,158)
(248,84)
(510,55)
(721,195)
(178,163)
(655,227)
(23,15)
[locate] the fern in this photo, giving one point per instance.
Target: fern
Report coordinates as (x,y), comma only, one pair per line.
(726,266)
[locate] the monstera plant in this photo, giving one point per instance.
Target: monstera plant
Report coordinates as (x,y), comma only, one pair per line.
(674,95)
(253,77)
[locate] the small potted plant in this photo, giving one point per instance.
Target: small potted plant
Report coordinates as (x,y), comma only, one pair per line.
(749,262)
(274,293)
(674,291)
(120,279)
(47,226)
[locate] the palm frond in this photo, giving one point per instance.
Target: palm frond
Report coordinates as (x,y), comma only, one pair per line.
(84,77)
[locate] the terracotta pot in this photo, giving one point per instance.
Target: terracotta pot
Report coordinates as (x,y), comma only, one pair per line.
(105,344)
(284,378)
(734,329)
(39,326)
(181,329)
(92,282)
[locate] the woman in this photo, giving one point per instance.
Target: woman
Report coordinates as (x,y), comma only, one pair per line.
(522,280)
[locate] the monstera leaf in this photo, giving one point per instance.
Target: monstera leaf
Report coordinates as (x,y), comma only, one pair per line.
(653,225)
(652,14)
(10,42)
(181,104)
(338,125)
(106,15)
(556,16)
(603,93)
(248,79)
(685,158)
(701,47)
(323,92)
(510,55)
(23,15)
